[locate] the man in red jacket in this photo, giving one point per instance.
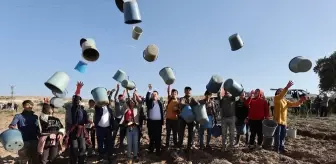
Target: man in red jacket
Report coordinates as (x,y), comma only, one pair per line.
(258,111)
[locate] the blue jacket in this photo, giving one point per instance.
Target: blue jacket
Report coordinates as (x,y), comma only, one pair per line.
(27,123)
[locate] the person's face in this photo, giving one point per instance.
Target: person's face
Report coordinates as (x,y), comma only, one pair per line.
(256,93)
(132,104)
(121,98)
(174,94)
(278,91)
(28,107)
(187,92)
(242,96)
(155,95)
(208,96)
(91,104)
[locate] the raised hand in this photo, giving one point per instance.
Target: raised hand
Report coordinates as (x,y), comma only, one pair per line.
(289,84)
(46,100)
(252,92)
(150,86)
(80,84)
(118,86)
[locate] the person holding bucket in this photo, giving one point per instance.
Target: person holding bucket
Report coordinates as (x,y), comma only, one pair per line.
(281,105)
(120,107)
(228,118)
(77,135)
(104,124)
(258,111)
(210,108)
(186,100)
(27,123)
(155,120)
(131,122)
(172,116)
(241,115)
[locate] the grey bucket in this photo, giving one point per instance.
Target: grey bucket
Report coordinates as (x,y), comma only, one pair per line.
(300,64)
(131,12)
(167,74)
(120,76)
(268,142)
(233,87)
(215,84)
(151,53)
(201,114)
(136,32)
(236,42)
(89,49)
(60,95)
(269,127)
(130,85)
(58,82)
(57,102)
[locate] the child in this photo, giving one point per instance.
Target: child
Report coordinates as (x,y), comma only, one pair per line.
(90,126)
(27,123)
(51,136)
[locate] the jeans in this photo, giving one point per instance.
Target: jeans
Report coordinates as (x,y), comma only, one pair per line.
(279,137)
(182,126)
(171,126)
(122,133)
(228,123)
(30,151)
(92,133)
(132,141)
(201,136)
(77,148)
(105,142)
(49,154)
(256,130)
(324,111)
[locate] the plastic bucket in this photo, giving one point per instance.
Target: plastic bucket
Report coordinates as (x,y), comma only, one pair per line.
(57,102)
(81,67)
(151,53)
(209,123)
(300,64)
(89,49)
(268,142)
(236,42)
(269,127)
(187,114)
(167,74)
(131,12)
(136,32)
(58,82)
(11,140)
(120,76)
(130,85)
(291,133)
(233,87)
(201,114)
(99,95)
(215,84)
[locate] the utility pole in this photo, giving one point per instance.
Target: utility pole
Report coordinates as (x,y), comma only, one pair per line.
(12,94)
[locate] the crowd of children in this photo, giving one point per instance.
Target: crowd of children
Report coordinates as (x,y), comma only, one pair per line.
(239,116)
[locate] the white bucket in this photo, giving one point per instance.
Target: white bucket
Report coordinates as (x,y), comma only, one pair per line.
(291,133)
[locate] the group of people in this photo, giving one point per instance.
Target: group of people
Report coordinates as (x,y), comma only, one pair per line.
(238,116)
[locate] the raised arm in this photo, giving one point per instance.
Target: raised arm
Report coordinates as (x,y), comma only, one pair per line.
(136,96)
(117,92)
(78,88)
(168,92)
(282,94)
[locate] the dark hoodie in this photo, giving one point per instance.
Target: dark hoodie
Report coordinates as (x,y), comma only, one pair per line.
(258,107)
(78,114)
(241,110)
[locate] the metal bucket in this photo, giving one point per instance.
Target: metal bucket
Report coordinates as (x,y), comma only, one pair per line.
(291,133)
(201,114)
(215,84)
(236,42)
(136,32)
(233,87)
(300,64)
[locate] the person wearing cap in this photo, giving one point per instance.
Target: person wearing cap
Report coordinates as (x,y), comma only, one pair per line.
(155,120)
(186,100)
(210,108)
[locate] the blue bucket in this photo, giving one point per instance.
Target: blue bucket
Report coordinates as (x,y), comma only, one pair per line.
(81,67)
(241,129)
(216,131)
(209,123)
(187,114)
(131,12)
(99,95)
(11,140)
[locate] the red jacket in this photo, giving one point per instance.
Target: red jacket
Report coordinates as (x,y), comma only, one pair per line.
(258,108)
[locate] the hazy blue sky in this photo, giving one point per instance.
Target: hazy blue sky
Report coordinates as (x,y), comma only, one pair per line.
(39,37)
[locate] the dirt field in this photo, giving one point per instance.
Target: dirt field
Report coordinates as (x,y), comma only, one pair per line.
(316,143)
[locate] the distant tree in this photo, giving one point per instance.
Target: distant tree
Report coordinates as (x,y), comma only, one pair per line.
(326,70)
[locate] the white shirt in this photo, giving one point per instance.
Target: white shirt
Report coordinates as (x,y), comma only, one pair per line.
(155,113)
(105,119)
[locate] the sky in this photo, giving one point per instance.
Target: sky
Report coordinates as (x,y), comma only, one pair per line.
(40,37)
